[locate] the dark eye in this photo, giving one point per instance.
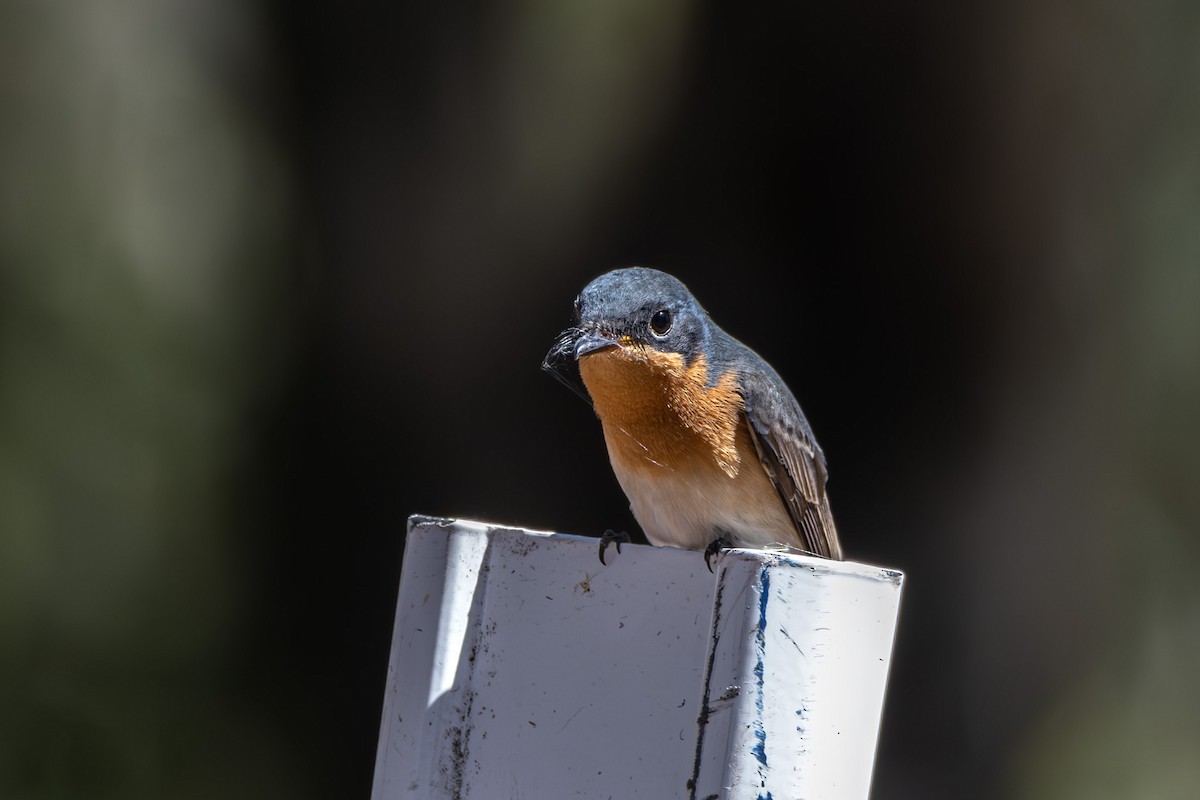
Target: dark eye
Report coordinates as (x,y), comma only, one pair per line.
(660,323)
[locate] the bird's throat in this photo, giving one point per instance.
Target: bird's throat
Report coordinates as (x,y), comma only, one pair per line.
(659,413)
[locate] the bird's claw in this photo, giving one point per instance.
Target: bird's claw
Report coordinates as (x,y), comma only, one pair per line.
(714,549)
(612,537)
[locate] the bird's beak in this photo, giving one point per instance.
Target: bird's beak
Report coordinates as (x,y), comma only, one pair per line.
(591,342)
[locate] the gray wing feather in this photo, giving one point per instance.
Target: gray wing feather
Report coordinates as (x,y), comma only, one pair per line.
(794,462)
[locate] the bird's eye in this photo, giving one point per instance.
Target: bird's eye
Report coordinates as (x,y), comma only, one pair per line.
(660,323)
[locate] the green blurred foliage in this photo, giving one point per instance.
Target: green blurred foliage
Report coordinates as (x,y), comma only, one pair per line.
(142,211)
(1100,117)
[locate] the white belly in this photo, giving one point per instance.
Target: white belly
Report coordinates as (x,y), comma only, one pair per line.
(690,511)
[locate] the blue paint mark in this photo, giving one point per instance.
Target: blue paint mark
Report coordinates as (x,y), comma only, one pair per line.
(760,645)
(765,578)
(759,750)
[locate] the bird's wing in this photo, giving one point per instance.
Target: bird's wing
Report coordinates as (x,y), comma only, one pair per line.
(794,462)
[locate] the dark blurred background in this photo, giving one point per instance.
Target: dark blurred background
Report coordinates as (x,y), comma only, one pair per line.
(274,276)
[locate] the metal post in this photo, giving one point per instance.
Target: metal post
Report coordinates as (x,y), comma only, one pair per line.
(522,667)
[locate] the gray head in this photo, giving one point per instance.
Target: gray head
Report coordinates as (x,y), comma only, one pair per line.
(643,307)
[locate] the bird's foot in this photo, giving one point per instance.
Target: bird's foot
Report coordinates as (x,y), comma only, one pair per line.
(714,548)
(612,537)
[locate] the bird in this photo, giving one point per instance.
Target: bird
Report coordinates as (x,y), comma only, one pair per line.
(706,440)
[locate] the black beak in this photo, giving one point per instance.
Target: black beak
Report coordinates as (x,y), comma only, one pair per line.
(591,342)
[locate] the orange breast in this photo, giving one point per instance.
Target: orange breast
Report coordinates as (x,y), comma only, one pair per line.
(659,413)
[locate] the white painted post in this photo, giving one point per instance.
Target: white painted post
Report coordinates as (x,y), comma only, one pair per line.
(522,667)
